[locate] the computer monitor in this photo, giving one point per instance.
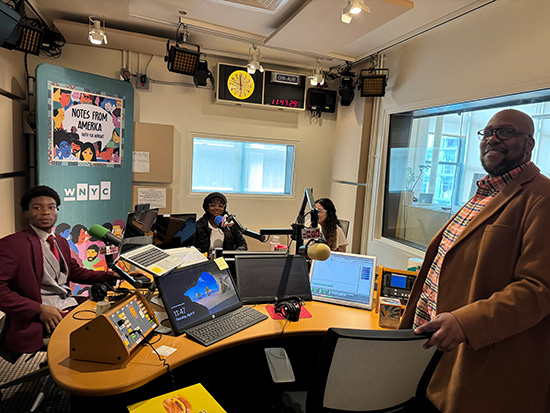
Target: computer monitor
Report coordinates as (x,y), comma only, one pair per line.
(138,229)
(174,230)
(268,278)
(345,279)
(229,257)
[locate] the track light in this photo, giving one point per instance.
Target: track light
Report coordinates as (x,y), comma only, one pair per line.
(318,76)
(96,30)
(254,60)
(352,8)
(346,89)
(202,74)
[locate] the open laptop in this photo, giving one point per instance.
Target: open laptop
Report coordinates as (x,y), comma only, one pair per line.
(345,279)
(137,247)
(201,301)
(268,278)
(174,230)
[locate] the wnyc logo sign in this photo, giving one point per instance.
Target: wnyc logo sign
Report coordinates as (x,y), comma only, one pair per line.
(87,192)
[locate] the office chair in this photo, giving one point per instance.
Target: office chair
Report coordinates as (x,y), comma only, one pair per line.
(342,223)
(367,371)
(10,356)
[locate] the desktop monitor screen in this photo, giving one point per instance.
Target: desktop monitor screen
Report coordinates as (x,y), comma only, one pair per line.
(229,257)
(197,293)
(268,278)
(346,279)
(174,230)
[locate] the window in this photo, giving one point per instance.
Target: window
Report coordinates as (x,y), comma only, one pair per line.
(244,167)
(433,162)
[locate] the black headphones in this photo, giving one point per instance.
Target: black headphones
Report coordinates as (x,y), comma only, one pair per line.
(290,308)
(100,290)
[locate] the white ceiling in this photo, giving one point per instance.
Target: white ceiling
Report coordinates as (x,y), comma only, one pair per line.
(296,33)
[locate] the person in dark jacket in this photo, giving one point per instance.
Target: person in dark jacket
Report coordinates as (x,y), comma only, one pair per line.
(208,235)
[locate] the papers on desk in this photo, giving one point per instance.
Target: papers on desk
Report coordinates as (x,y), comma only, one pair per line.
(189,399)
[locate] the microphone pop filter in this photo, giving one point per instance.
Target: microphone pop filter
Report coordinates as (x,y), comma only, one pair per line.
(318,252)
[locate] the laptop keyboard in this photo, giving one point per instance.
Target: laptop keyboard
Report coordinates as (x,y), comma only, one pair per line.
(228,324)
(149,257)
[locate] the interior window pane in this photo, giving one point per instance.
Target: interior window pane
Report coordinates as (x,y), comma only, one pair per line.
(433,162)
(242,167)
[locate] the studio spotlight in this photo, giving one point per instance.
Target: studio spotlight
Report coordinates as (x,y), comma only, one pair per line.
(346,89)
(18,31)
(373,82)
(180,56)
(352,8)
(254,60)
(202,74)
(96,30)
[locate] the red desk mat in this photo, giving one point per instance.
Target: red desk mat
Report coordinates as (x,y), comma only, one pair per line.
(271,310)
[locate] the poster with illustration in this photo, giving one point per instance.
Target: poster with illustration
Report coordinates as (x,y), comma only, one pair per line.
(85,127)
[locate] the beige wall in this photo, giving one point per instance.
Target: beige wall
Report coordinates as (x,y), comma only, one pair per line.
(193,110)
(12,142)
(501,49)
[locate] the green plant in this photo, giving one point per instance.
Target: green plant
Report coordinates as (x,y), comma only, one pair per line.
(412,178)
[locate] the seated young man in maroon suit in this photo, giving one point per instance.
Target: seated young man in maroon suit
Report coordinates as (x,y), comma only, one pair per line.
(35,270)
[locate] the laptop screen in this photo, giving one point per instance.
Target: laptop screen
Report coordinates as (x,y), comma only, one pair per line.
(267,278)
(197,293)
(346,279)
(138,230)
(174,230)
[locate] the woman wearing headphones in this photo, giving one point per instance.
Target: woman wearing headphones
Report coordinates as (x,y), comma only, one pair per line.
(334,235)
(208,235)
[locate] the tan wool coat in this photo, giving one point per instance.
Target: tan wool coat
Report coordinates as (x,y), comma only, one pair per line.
(495,279)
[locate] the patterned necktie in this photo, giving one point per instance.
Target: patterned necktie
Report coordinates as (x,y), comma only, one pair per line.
(53,248)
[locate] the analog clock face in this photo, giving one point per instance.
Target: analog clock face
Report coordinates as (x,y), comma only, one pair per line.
(240,84)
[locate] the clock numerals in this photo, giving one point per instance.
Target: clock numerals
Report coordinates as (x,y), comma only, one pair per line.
(240,84)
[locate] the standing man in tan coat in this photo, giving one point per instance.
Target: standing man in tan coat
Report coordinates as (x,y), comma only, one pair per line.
(484,287)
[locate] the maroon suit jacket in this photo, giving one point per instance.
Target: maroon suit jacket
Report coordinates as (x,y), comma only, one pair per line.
(21,270)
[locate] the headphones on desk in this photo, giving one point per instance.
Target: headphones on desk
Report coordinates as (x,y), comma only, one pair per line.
(99,292)
(289,308)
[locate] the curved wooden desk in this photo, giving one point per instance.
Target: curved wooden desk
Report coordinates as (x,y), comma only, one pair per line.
(98,379)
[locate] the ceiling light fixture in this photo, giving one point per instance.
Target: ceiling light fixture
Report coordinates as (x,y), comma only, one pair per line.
(180,58)
(318,76)
(353,7)
(373,82)
(254,60)
(96,30)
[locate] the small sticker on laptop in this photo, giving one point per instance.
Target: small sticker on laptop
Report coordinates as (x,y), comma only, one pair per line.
(222,265)
(156,270)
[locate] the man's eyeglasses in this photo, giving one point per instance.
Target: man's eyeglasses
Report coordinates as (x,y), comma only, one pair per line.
(501,133)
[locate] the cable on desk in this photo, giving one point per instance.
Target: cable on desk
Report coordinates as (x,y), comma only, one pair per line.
(284,326)
(83,311)
(164,362)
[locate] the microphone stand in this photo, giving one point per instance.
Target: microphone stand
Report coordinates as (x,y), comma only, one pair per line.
(297,227)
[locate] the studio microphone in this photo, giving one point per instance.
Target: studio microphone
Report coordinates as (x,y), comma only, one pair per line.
(315,250)
(221,222)
(103,234)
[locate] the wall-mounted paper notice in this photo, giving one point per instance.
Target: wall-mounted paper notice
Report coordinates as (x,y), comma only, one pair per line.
(140,162)
(155,197)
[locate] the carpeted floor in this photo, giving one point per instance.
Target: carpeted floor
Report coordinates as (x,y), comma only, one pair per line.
(21,397)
